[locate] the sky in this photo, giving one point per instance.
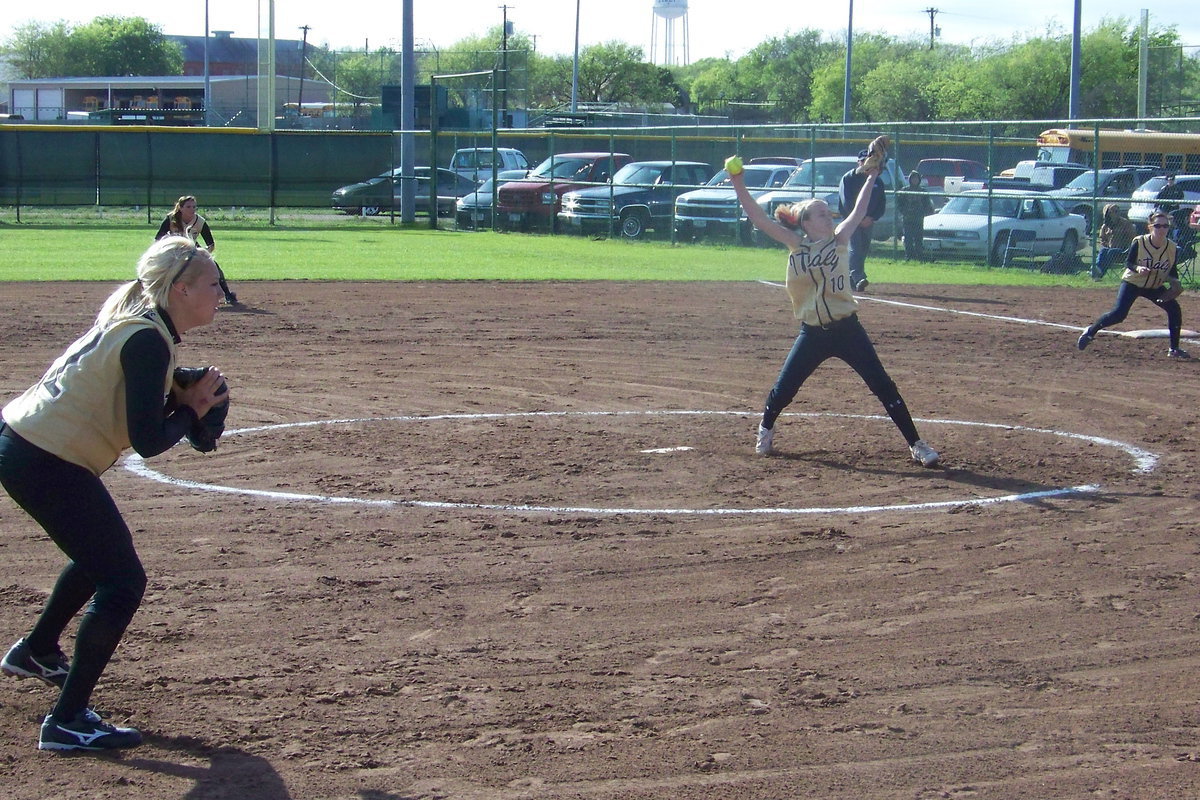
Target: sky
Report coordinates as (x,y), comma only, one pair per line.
(712,30)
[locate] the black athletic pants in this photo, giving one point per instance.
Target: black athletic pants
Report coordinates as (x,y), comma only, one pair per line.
(845,339)
(1126,294)
(76,510)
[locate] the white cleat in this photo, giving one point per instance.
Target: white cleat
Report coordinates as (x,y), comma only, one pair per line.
(762,446)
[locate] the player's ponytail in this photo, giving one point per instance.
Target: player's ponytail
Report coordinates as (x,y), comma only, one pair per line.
(160,267)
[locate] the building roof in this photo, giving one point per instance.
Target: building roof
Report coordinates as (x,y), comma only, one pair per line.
(226,48)
(130,81)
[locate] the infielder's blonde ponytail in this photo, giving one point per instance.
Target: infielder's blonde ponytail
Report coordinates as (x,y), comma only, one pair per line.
(162,265)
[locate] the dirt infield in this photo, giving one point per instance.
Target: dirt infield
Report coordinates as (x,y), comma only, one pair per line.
(506,573)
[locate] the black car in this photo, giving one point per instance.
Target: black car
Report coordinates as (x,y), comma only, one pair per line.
(641,197)
(382,193)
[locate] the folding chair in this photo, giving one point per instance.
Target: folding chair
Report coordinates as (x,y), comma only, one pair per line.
(1018,251)
(1185,258)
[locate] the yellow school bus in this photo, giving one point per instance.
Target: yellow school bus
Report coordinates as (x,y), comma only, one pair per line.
(1171,152)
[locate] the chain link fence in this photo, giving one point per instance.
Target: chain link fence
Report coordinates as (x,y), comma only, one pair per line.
(63,166)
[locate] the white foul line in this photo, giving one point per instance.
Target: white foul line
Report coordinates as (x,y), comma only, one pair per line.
(980,314)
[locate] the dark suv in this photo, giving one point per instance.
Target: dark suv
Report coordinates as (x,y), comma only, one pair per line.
(641,197)
(1107,185)
(534,201)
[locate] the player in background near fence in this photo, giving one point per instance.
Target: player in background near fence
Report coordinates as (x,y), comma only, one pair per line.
(849,190)
(819,286)
(1150,272)
(105,393)
(184,221)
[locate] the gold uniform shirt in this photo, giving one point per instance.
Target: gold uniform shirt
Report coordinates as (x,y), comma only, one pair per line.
(77,410)
(818,282)
(1160,260)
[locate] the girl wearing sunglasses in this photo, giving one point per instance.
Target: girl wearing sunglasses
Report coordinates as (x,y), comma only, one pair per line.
(1150,272)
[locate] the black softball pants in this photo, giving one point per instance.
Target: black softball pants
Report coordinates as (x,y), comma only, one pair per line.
(76,510)
(848,340)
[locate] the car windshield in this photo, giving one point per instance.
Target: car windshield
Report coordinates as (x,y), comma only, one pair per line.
(577,168)
(977,205)
(1085,181)
(638,173)
(828,173)
(754,178)
(1153,185)
(934,169)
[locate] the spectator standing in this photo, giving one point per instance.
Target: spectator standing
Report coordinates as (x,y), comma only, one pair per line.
(915,206)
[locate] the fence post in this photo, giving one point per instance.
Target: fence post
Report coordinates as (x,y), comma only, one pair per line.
(20,175)
(674,191)
(433,152)
(495,152)
(149,176)
(274,176)
(612,205)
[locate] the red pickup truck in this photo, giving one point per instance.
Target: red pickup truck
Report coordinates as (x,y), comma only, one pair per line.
(535,201)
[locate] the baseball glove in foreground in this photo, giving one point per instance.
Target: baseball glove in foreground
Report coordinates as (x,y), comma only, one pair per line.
(207,430)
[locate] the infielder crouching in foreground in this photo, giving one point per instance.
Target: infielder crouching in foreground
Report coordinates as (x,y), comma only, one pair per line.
(818,282)
(104,394)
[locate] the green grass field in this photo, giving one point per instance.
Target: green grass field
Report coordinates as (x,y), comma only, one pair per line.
(371,249)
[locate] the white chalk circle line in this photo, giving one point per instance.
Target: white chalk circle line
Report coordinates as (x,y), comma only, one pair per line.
(1144,460)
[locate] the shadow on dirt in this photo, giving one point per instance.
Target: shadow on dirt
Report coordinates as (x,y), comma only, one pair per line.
(231,774)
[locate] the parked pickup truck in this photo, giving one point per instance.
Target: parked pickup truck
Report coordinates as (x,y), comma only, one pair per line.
(535,201)
(641,197)
(1040,177)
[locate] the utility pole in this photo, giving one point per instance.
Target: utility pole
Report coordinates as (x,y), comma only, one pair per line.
(207,77)
(1073,97)
(932,12)
(849,49)
(303,56)
(575,65)
(504,66)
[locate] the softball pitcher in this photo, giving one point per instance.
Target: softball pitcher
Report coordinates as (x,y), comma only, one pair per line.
(818,282)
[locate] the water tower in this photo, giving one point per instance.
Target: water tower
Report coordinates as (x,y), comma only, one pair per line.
(672,13)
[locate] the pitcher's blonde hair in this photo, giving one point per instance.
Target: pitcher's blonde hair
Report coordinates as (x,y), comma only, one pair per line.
(793,214)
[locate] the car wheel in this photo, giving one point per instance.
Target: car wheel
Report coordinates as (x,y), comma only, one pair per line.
(634,223)
(1070,242)
(369,211)
(998,248)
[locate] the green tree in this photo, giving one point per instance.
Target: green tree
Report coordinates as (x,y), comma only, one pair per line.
(616,72)
(713,83)
(105,46)
(125,46)
(40,50)
(782,71)
(359,76)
